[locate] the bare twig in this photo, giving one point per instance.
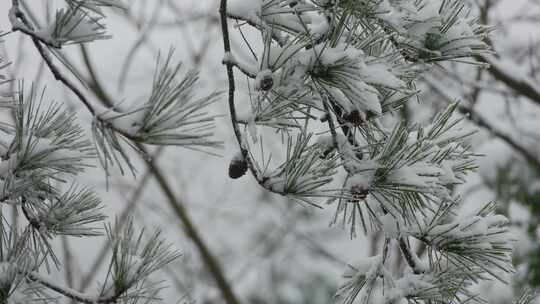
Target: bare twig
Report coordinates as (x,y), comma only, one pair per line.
(521,86)
(483,123)
(231,82)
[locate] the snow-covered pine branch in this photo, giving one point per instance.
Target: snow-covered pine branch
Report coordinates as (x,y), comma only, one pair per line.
(45,148)
(328,76)
(173,115)
(43,152)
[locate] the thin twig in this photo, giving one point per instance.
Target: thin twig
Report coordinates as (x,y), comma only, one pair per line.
(520,86)
(231,92)
(477,119)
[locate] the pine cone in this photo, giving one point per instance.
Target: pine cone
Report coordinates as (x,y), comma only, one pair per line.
(266,83)
(359,192)
(354,117)
(237,168)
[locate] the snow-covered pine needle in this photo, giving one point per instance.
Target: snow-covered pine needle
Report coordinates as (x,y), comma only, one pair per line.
(135,256)
(172,116)
(73,25)
(304,173)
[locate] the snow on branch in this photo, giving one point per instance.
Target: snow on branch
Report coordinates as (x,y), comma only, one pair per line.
(304,172)
(406,171)
(71,25)
(340,69)
(172,115)
(44,149)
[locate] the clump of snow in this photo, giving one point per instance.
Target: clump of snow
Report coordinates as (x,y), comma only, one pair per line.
(360,182)
(318,26)
(421,174)
(276,184)
(379,74)
(408,285)
(447,173)
(248,118)
(326,141)
(129,122)
(249,68)
(344,65)
(474,231)
(364,266)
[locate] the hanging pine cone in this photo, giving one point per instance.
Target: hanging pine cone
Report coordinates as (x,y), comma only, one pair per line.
(354,117)
(264,80)
(359,192)
(267,83)
(237,167)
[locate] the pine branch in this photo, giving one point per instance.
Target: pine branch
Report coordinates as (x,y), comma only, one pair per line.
(24,26)
(71,25)
(231,92)
(135,197)
(178,206)
(133,260)
(70,293)
(48,60)
(182,124)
